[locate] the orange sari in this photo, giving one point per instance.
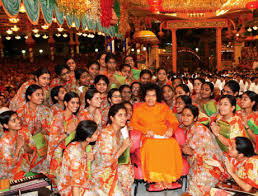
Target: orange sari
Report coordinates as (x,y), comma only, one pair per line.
(160,156)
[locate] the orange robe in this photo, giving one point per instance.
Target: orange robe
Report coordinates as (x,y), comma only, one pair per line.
(161,157)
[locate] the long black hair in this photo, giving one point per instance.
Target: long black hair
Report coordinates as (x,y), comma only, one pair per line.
(113,111)
(84,130)
(5,117)
(89,95)
(54,93)
(39,72)
(68,96)
(31,89)
(253,97)
(244,146)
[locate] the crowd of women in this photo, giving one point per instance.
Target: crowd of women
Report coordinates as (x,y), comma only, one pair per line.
(76,128)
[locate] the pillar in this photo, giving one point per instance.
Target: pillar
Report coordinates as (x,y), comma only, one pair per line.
(51,43)
(218,47)
(30,42)
(155,55)
(77,44)
(174,51)
(1,48)
(237,51)
(71,44)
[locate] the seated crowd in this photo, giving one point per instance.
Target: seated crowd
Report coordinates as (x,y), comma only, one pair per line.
(77,128)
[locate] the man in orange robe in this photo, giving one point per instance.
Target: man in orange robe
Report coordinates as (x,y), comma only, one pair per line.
(160,153)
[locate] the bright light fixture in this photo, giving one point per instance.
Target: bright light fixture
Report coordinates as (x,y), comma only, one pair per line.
(17,37)
(96,49)
(35,30)
(45,26)
(23,51)
(22,8)
(60,29)
(40,51)
(15,28)
(45,36)
(26,36)
(14,20)
(37,35)
(58,34)
(255,28)
(79,33)
(65,35)
(8,38)
(9,31)
(249,29)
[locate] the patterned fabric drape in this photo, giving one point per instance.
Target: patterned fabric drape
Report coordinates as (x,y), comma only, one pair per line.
(32,10)
(106,12)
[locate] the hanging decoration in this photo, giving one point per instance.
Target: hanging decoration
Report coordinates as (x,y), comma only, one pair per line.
(90,13)
(106,12)
(155,5)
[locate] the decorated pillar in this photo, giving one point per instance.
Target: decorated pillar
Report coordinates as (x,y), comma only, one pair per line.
(218,47)
(51,43)
(77,44)
(30,43)
(1,48)
(237,51)
(71,44)
(174,51)
(155,55)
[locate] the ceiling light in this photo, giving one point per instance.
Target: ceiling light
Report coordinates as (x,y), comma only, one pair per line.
(37,35)
(22,8)
(54,20)
(255,28)
(45,36)
(45,27)
(65,35)
(249,29)
(58,34)
(40,51)
(84,34)
(26,36)
(73,24)
(9,31)
(35,30)
(60,29)
(23,51)
(79,33)
(8,38)
(15,28)
(17,37)
(14,20)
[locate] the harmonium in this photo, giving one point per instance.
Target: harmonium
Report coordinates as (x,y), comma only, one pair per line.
(36,185)
(229,188)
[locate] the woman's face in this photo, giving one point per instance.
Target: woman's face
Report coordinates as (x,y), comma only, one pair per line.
(61,94)
(136,89)
(111,64)
(187,117)
(85,79)
(180,105)
(225,107)
(162,75)
(129,60)
(129,110)
(101,86)
(65,75)
(246,102)
(179,91)
(94,137)
(102,61)
(94,70)
(116,98)
(95,101)
(73,104)
(197,86)
(227,91)
(14,123)
(71,64)
(126,71)
(43,80)
(168,93)
(120,118)
(126,94)
(151,97)
(37,97)
(232,149)
(205,91)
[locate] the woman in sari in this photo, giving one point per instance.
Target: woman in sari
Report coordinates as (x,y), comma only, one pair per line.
(42,78)
(63,124)
(168,95)
(13,164)
(93,68)
(202,150)
(57,96)
(135,71)
(64,78)
(103,66)
(181,102)
(114,97)
(248,114)
(75,172)
(160,153)
(109,177)
(70,62)
(162,78)
(126,92)
(182,89)
(207,104)
(136,88)
(227,125)
(91,111)
(197,85)
(101,83)
(36,119)
(232,88)
(121,77)
(242,163)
